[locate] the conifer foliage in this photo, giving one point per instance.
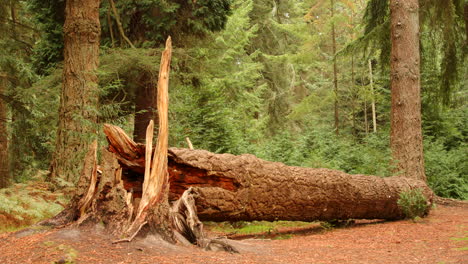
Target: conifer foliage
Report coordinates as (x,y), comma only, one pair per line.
(248,76)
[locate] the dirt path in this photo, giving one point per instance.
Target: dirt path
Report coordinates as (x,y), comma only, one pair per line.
(440,238)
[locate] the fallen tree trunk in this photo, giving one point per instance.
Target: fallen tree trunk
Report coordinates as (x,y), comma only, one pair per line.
(248,188)
(235,188)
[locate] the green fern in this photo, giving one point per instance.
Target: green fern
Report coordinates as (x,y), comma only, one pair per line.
(413,203)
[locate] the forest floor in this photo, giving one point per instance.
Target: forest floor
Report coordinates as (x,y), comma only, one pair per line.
(442,237)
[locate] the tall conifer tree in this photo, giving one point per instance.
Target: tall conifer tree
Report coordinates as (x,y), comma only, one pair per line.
(77,114)
(406,134)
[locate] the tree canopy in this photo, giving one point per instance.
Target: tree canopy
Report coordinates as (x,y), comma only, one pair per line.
(248,76)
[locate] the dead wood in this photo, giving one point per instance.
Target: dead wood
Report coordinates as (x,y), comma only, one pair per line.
(235,188)
(245,188)
(128,203)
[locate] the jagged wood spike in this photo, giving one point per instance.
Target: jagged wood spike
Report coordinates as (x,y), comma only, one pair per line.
(156,176)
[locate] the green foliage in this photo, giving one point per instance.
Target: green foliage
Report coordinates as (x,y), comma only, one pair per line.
(29,118)
(216,94)
(447,170)
(148,23)
(26,203)
(413,203)
(322,148)
(249,76)
(33,129)
(49,16)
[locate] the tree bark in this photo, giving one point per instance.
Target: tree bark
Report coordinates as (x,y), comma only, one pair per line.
(406,133)
(4,160)
(77,113)
(234,188)
(246,188)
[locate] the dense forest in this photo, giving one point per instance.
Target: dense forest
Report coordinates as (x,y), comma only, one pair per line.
(303,82)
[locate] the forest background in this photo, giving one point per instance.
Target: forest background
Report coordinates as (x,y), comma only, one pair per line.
(289,81)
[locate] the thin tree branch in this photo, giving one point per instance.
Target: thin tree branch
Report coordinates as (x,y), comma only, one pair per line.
(119,24)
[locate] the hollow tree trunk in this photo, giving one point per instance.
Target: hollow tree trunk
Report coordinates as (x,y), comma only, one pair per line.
(228,187)
(77,115)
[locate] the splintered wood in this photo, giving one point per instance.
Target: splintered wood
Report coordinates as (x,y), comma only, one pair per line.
(156,178)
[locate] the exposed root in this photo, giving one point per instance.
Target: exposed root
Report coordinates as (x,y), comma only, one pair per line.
(185,220)
(218,245)
(129,239)
(188,229)
(450,202)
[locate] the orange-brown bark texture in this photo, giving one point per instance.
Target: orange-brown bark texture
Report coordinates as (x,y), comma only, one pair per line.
(79,91)
(246,188)
(406,133)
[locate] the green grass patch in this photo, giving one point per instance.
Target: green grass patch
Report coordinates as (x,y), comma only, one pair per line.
(462,248)
(459,238)
(255,227)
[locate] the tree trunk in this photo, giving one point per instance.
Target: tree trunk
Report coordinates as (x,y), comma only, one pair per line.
(366,123)
(335,70)
(406,134)
(111,29)
(234,188)
(4,160)
(77,113)
(353,97)
(246,188)
(371,81)
(145,106)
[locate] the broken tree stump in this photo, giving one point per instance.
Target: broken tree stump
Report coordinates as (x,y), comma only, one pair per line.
(129,205)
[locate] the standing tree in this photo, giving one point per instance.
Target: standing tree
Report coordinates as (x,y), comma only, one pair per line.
(406,134)
(371,82)
(77,114)
(4,166)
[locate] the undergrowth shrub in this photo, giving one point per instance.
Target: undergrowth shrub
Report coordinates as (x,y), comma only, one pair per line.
(447,170)
(26,203)
(321,148)
(413,203)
